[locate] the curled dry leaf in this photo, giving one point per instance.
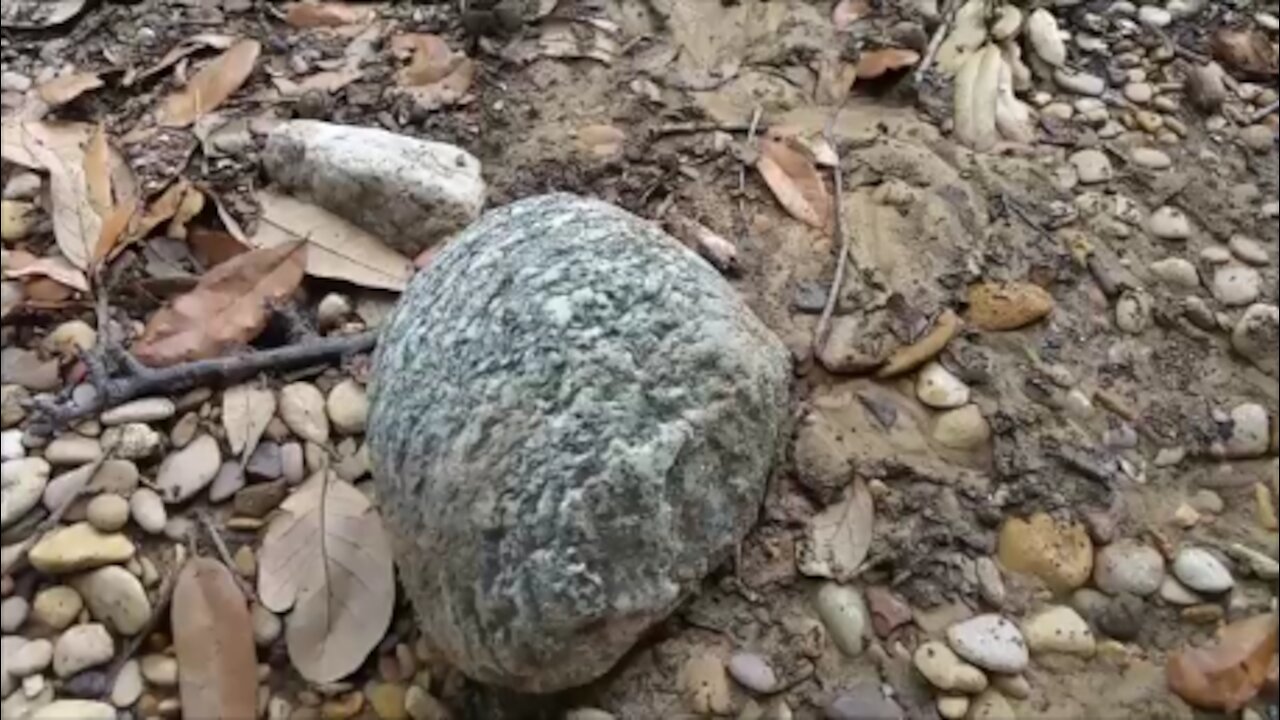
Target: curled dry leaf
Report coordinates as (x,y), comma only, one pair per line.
(337,249)
(1227,674)
(839,537)
(183,49)
(976,95)
(62,90)
(848,12)
(213,641)
(435,76)
(247,409)
(877,63)
(212,86)
(794,180)
(327,557)
(1249,51)
(55,268)
(326,14)
(60,149)
(213,247)
(228,307)
(583,38)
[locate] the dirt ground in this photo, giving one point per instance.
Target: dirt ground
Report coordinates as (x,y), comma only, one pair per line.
(927,218)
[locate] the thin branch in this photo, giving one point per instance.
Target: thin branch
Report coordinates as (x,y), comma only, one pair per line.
(935,43)
(742,172)
(1264,112)
(223,552)
(692,128)
(823,331)
(19,561)
(141,380)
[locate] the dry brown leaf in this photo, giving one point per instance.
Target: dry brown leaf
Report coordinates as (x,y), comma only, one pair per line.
(113,232)
(327,557)
(227,309)
(213,642)
(338,249)
(55,268)
(847,12)
(840,536)
(1229,673)
(435,76)
(59,149)
(182,50)
(192,205)
(794,180)
(62,90)
(247,409)
(876,63)
(1250,51)
(580,38)
(326,14)
(211,87)
(327,81)
(160,210)
(97,172)
(213,247)
(704,241)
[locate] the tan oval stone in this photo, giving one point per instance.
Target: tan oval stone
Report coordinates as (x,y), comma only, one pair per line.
(1059,553)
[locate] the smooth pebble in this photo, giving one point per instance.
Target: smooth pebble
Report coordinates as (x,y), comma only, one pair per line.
(1127,566)
(1199,570)
(991,642)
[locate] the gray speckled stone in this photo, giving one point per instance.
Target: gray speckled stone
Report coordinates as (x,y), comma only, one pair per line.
(573,419)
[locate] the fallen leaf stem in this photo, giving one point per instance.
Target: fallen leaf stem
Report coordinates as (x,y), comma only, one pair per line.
(935,43)
(140,380)
(823,331)
(224,553)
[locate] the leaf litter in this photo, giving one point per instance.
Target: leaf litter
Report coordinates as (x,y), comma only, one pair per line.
(794,179)
(228,308)
(213,85)
(839,537)
(326,560)
(213,642)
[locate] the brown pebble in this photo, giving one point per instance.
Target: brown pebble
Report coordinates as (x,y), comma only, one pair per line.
(1206,614)
(344,707)
(389,669)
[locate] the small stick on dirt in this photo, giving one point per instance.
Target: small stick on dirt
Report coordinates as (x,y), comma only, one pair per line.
(742,172)
(1264,112)
(692,128)
(935,43)
(158,611)
(823,330)
(20,558)
(140,380)
(224,553)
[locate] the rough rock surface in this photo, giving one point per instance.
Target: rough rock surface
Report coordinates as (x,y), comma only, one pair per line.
(573,422)
(411,193)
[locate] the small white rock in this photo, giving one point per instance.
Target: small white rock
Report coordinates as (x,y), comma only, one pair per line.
(22,484)
(302,408)
(1059,629)
(1151,158)
(1139,92)
(70,339)
(991,642)
(946,671)
(1169,223)
(1092,166)
(844,613)
(128,686)
(108,512)
(132,441)
(82,647)
(266,625)
(1236,285)
(938,388)
(964,428)
(348,407)
(1175,593)
(116,597)
(752,672)
(1215,255)
(1079,83)
(188,471)
(142,410)
(75,710)
(11,447)
(1128,566)
(148,510)
(159,670)
(56,607)
(1177,272)
(1201,571)
(1249,250)
(333,310)
(13,612)
(1133,312)
(33,657)
(1257,337)
(72,450)
(1154,17)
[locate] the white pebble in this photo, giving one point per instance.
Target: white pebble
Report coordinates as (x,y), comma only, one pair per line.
(844,613)
(1201,571)
(148,510)
(1236,285)
(1169,223)
(938,388)
(991,642)
(142,410)
(81,647)
(752,672)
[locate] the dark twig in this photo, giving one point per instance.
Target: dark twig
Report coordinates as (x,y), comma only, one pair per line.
(823,330)
(140,380)
(693,128)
